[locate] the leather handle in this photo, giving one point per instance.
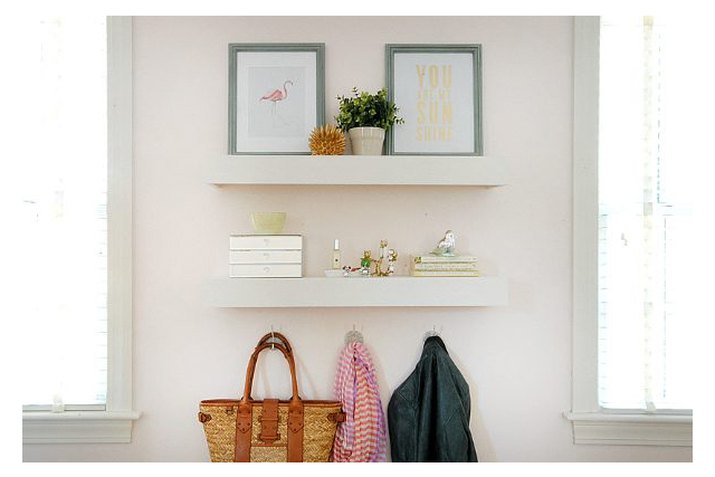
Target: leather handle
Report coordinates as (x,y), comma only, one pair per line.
(262,345)
(279,337)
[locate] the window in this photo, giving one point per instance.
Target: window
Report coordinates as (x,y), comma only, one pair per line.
(74,213)
(645,221)
(632,223)
(64,222)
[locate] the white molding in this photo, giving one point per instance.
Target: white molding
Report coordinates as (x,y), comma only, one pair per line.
(357,292)
(77,427)
(632,429)
(119,210)
(359,170)
(585,215)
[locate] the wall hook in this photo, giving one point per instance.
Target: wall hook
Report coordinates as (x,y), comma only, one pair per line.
(353,336)
(432,332)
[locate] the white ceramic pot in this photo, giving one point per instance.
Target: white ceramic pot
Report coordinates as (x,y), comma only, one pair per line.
(367,141)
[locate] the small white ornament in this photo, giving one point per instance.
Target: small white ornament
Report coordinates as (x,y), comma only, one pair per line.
(445,247)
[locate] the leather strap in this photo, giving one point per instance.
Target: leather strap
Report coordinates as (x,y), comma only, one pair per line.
(295,431)
(244,421)
(252,369)
(337,416)
(295,407)
(277,338)
(269,421)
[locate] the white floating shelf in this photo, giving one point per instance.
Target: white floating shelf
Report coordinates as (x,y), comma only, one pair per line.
(359,170)
(357,292)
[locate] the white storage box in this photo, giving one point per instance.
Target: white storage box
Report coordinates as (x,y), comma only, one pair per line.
(265,242)
(265,256)
(273,270)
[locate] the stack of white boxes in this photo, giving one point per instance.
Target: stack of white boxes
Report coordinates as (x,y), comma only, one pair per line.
(269,256)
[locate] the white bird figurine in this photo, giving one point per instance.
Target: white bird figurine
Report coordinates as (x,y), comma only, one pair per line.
(445,247)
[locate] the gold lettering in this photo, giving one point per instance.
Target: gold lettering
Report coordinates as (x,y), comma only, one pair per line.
(447,76)
(421,74)
(420,112)
(435,133)
(442,134)
(447,113)
(433,76)
(433,110)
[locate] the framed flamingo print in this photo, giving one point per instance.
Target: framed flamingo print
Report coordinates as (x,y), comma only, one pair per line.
(438,90)
(276,96)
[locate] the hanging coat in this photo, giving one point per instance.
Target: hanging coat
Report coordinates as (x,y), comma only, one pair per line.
(428,414)
(362,437)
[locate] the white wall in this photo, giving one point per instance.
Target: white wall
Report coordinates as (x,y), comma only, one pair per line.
(517,359)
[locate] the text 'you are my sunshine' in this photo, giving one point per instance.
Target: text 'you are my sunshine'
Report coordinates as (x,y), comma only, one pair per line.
(435,114)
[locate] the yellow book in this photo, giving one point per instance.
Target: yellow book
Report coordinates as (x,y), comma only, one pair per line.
(445,266)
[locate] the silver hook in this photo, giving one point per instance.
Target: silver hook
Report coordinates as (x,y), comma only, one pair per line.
(354,336)
(432,333)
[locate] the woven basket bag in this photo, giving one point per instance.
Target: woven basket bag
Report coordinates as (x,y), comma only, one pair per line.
(270,430)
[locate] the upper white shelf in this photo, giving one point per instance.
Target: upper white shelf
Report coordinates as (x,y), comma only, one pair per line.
(359,170)
(357,292)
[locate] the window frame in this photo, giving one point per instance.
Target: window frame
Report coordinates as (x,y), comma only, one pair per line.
(591,423)
(114,423)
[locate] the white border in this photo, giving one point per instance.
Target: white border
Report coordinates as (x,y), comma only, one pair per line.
(245,60)
(460,97)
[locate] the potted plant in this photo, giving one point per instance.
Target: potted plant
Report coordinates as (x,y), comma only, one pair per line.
(366,117)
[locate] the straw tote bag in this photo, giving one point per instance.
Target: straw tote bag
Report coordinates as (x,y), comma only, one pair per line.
(270,430)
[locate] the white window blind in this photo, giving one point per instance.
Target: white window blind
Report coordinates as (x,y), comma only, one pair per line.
(645,222)
(63,209)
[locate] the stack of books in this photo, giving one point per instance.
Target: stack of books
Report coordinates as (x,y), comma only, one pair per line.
(440,266)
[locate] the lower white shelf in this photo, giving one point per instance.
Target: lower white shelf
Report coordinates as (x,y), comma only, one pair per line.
(357,292)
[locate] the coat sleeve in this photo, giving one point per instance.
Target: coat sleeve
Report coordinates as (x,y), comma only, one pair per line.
(402,428)
(459,443)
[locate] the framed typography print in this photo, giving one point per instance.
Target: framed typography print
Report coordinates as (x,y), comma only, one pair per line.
(438,91)
(276,95)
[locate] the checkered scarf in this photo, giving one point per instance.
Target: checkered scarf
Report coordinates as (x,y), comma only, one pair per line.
(362,437)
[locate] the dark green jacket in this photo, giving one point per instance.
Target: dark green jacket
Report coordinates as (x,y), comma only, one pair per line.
(428,414)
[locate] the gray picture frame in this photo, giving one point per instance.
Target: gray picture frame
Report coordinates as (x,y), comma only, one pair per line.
(238,116)
(396,84)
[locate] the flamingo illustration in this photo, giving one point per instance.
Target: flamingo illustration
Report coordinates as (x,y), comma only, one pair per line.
(277,95)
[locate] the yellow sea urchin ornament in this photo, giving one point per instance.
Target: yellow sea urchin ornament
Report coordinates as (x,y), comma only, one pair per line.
(327,140)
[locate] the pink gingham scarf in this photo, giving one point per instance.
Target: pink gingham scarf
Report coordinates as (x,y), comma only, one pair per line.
(362,437)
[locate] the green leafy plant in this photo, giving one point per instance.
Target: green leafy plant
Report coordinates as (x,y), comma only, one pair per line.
(363,109)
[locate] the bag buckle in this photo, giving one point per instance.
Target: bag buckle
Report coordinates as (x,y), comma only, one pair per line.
(269,421)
